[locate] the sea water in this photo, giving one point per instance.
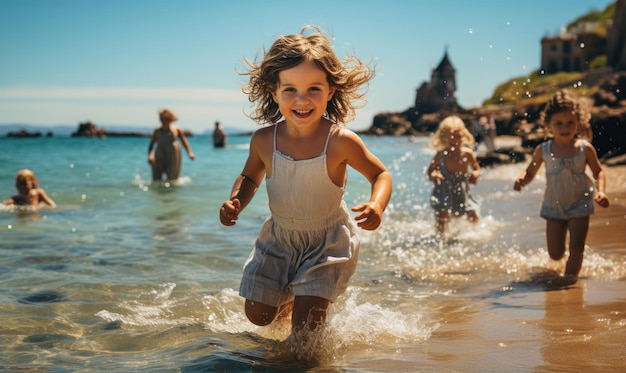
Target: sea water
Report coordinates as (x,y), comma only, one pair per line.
(130,275)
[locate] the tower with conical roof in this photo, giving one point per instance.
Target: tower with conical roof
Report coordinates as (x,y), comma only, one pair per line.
(440,92)
(443,78)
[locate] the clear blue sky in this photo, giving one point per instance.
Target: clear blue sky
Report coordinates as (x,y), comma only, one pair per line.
(116,62)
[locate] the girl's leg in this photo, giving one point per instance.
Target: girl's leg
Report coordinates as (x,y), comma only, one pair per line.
(308,312)
(473,217)
(441,220)
(578,228)
(260,314)
(556,231)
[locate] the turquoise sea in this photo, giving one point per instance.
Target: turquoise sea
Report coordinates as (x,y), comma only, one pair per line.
(125,275)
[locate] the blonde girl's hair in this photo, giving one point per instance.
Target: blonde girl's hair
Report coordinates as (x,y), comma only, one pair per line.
(26,175)
(450,124)
(350,76)
(167,115)
(563,101)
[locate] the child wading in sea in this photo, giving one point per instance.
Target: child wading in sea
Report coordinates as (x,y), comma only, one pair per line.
(448,171)
(307,249)
(569,194)
(29,192)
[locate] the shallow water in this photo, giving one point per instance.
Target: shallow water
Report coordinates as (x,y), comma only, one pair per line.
(125,275)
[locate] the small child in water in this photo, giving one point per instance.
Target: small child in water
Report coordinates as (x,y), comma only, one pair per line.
(448,172)
(569,194)
(29,192)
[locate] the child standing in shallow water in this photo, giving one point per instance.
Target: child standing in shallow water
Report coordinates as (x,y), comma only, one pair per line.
(307,249)
(569,194)
(448,172)
(29,192)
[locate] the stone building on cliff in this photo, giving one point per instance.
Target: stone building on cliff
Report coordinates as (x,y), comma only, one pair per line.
(432,100)
(574,48)
(439,93)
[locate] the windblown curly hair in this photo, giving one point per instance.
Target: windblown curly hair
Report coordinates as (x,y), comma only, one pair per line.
(350,76)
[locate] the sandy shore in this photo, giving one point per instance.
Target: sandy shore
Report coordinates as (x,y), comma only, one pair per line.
(607,228)
(579,328)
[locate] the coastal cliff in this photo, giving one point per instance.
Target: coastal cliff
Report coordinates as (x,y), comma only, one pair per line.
(606,101)
(600,86)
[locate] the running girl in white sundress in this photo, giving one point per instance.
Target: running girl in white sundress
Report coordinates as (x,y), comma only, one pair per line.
(569,194)
(307,249)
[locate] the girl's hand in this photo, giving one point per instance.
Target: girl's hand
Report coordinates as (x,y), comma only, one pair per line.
(229,212)
(473,177)
(151,158)
(436,177)
(602,199)
(370,217)
(519,183)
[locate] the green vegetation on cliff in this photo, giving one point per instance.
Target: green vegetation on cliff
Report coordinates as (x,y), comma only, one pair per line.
(601,17)
(535,87)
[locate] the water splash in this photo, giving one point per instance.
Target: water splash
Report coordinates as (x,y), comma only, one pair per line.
(153,308)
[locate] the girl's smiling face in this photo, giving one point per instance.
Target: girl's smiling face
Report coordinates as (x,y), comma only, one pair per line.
(303,93)
(564,125)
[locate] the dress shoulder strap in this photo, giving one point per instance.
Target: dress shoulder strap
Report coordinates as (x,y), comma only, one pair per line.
(545,147)
(332,127)
(442,160)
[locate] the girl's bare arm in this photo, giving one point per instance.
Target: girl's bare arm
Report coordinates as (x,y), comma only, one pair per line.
(529,174)
(183,139)
(473,163)
(246,184)
(598,173)
(43,197)
(366,163)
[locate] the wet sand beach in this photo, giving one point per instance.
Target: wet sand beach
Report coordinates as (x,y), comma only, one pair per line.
(607,229)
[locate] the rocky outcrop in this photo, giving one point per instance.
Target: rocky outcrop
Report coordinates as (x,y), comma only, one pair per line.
(616,38)
(608,117)
(607,106)
(24,133)
(88,129)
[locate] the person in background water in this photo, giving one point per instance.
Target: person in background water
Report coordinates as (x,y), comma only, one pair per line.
(570,193)
(448,171)
(308,247)
(167,158)
(219,136)
(29,192)
(478,131)
(489,132)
